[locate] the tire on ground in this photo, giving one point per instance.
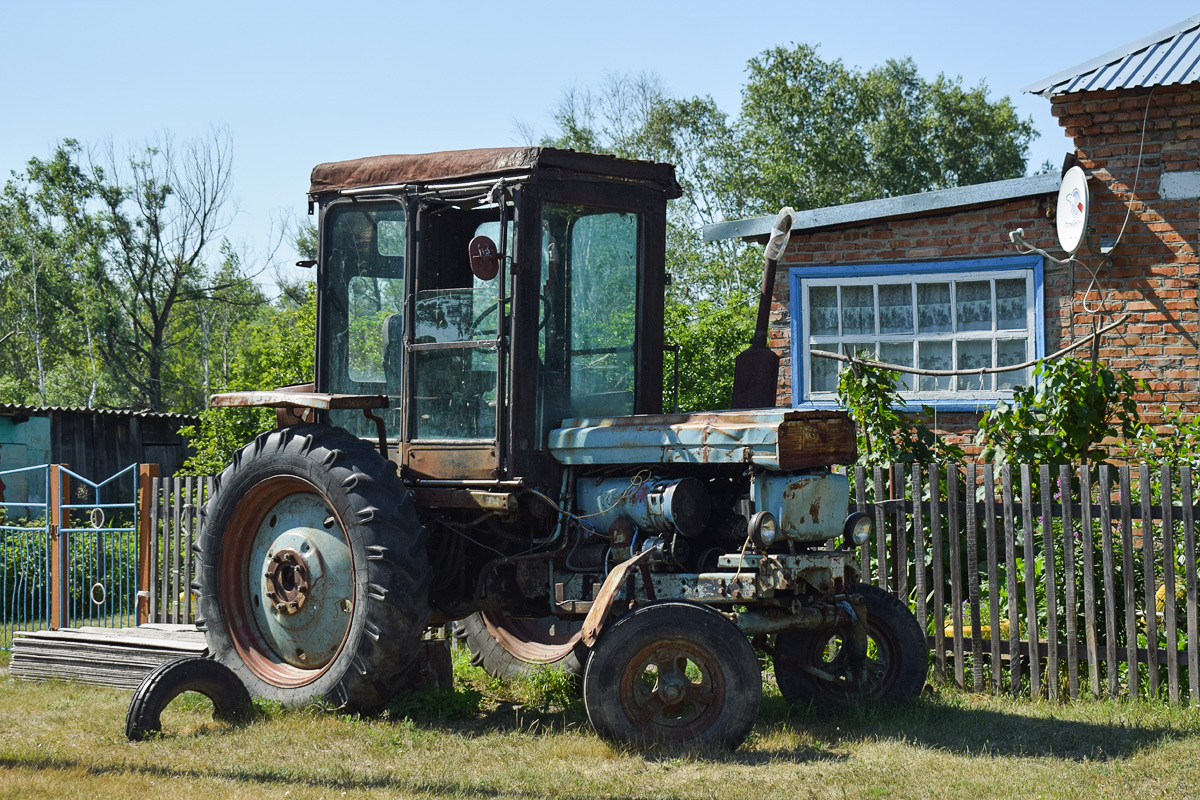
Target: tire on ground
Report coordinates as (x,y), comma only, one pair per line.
(345,503)
(215,681)
(898,659)
(511,647)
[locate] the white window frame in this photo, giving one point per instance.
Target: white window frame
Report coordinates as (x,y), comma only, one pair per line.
(802,280)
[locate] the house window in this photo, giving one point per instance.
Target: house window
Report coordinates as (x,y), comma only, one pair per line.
(948,315)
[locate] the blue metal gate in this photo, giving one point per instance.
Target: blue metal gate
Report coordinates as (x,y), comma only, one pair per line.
(99,531)
(24,552)
(68,550)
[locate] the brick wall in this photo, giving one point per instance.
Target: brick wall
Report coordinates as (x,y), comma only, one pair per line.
(1152,274)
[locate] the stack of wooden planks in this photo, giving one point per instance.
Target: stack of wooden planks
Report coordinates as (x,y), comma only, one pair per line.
(118,657)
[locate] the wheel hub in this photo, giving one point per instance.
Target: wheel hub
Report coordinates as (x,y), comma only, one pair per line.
(287,578)
(301,581)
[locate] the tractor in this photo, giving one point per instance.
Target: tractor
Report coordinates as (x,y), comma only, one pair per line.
(484,450)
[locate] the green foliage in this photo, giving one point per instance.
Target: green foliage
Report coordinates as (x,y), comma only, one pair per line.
(816,133)
(275,349)
(810,133)
(107,276)
(886,433)
(1065,418)
(1175,442)
(709,337)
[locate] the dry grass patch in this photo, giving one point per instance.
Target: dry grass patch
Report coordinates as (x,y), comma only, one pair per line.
(66,740)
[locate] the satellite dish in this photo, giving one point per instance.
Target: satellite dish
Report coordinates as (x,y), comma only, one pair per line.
(1073,204)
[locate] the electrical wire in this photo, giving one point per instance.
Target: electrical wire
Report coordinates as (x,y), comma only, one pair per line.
(1016,236)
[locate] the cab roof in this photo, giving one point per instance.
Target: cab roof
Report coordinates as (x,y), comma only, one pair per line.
(455,165)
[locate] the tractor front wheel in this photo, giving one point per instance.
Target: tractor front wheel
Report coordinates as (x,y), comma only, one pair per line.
(673,673)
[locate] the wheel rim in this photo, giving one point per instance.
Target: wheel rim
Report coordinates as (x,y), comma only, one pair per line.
(829,663)
(535,640)
(286,576)
(673,687)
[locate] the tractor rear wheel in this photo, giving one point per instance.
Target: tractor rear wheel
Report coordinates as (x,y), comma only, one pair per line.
(313,575)
(510,647)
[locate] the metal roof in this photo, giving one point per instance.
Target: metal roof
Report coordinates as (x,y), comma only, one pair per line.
(903,205)
(15,409)
(1171,56)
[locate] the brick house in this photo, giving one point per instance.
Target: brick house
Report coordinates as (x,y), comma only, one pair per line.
(933,280)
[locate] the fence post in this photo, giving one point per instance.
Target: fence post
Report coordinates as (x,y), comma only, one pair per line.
(58,550)
(145,500)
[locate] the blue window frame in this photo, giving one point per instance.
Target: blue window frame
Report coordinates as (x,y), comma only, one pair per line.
(961,314)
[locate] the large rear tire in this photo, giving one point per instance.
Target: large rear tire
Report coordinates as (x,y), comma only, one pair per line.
(512,647)
(813,667)
(313,575)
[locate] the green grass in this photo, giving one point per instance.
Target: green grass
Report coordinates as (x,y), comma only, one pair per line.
(531,740)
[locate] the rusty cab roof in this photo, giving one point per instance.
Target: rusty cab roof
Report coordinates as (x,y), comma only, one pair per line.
(496,162)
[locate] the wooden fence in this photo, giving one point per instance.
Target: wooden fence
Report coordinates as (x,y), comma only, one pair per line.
(1053,582)
(1017,590)
(174,521)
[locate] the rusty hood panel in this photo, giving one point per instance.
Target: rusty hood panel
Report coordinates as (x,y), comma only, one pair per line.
(778,439)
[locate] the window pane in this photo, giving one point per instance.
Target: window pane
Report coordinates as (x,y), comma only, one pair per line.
(858,310)
(824,374)
(975,354)
(363,308)
(823,310)
(456,394)
(895,308)
(376,327)
(1011,351)
(456,315)
(860,349)
(933,308)
(934,355)
(588,314)
(1010,304)
(898,353)
(974,301)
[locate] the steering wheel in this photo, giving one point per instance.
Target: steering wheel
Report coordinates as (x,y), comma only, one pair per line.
(487,312)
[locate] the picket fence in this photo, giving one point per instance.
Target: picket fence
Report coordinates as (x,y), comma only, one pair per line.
(1060,582)
(1018,590)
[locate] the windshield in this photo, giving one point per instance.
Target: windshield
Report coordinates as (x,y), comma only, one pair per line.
(364,308)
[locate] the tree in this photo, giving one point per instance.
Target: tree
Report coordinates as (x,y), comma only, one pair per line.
(810,133)
(276,349)
(106,274)
(816,133)
(51,282)
(164,208)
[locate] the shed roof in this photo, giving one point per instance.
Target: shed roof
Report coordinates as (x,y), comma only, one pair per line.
(397,170)
(17,409)
(1170,56)
(887,207)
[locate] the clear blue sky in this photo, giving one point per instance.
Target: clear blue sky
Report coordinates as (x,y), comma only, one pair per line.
(302,82)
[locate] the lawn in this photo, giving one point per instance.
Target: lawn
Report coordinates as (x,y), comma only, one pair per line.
(67,740)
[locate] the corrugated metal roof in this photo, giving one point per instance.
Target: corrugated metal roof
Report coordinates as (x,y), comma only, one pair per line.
(1169,57)
(903,205)
(13,409)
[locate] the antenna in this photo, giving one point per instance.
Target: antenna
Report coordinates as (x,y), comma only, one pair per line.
(1071,221)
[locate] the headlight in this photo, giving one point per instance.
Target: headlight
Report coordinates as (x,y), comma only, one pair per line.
(764,530)
(857,529)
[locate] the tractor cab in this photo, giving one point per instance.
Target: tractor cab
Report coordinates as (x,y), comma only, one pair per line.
(488,295)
